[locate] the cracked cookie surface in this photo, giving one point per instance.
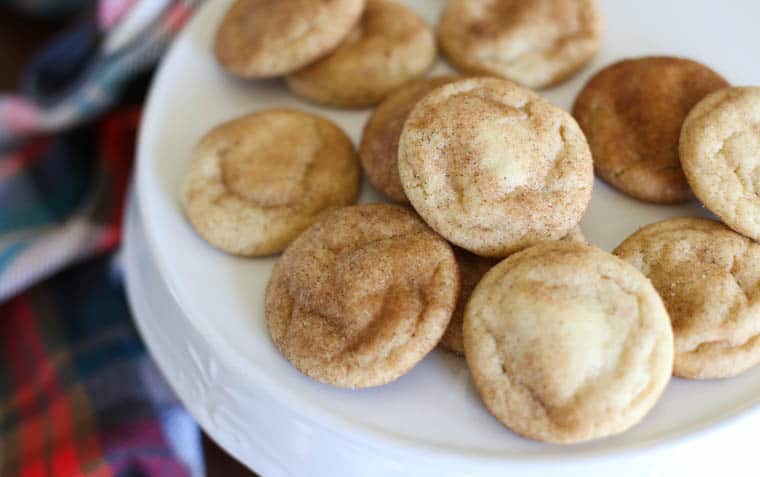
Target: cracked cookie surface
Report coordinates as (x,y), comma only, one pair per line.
(493,167)
(632,112)
(471,269)
(268,38)
(537,43)
(567,343)
(709,277)
(362,296)
(379,147)
(720,153)
(257,181)
(389,46)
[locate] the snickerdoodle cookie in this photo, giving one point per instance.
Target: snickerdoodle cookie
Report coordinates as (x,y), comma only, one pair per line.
(362,296)
(268,38)
(537,43)
(720,154)
(493,167)
(379,147)
(632,112)
(471,269)
(257,181)
(709,278)
(389,46)
(567,343)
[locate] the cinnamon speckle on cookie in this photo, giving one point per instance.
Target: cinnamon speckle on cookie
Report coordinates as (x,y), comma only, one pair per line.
(709,278)
(493,167)
(362,295)
(632,112)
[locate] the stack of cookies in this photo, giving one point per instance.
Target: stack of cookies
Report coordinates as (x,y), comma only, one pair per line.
(347,53)
(482,253)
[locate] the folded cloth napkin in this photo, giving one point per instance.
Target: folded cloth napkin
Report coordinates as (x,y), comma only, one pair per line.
(83,73)
(79,396)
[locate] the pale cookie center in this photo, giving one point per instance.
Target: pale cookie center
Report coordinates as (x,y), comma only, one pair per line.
(511,47)
(742,153)
(501,154)
(270,174)
(521,35)
(567,339)
(558,347)
(283,25)
(507,167)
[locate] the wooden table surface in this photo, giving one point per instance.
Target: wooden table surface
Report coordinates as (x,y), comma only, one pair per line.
(20,37)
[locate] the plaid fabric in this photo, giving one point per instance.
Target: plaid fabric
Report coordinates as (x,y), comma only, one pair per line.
(111,51)
(78,394)
(63,198)
(48,224)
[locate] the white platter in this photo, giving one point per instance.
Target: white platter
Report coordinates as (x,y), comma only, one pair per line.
(214,347)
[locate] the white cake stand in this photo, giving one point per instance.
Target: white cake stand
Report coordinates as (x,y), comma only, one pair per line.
(265,434)
(201,311)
